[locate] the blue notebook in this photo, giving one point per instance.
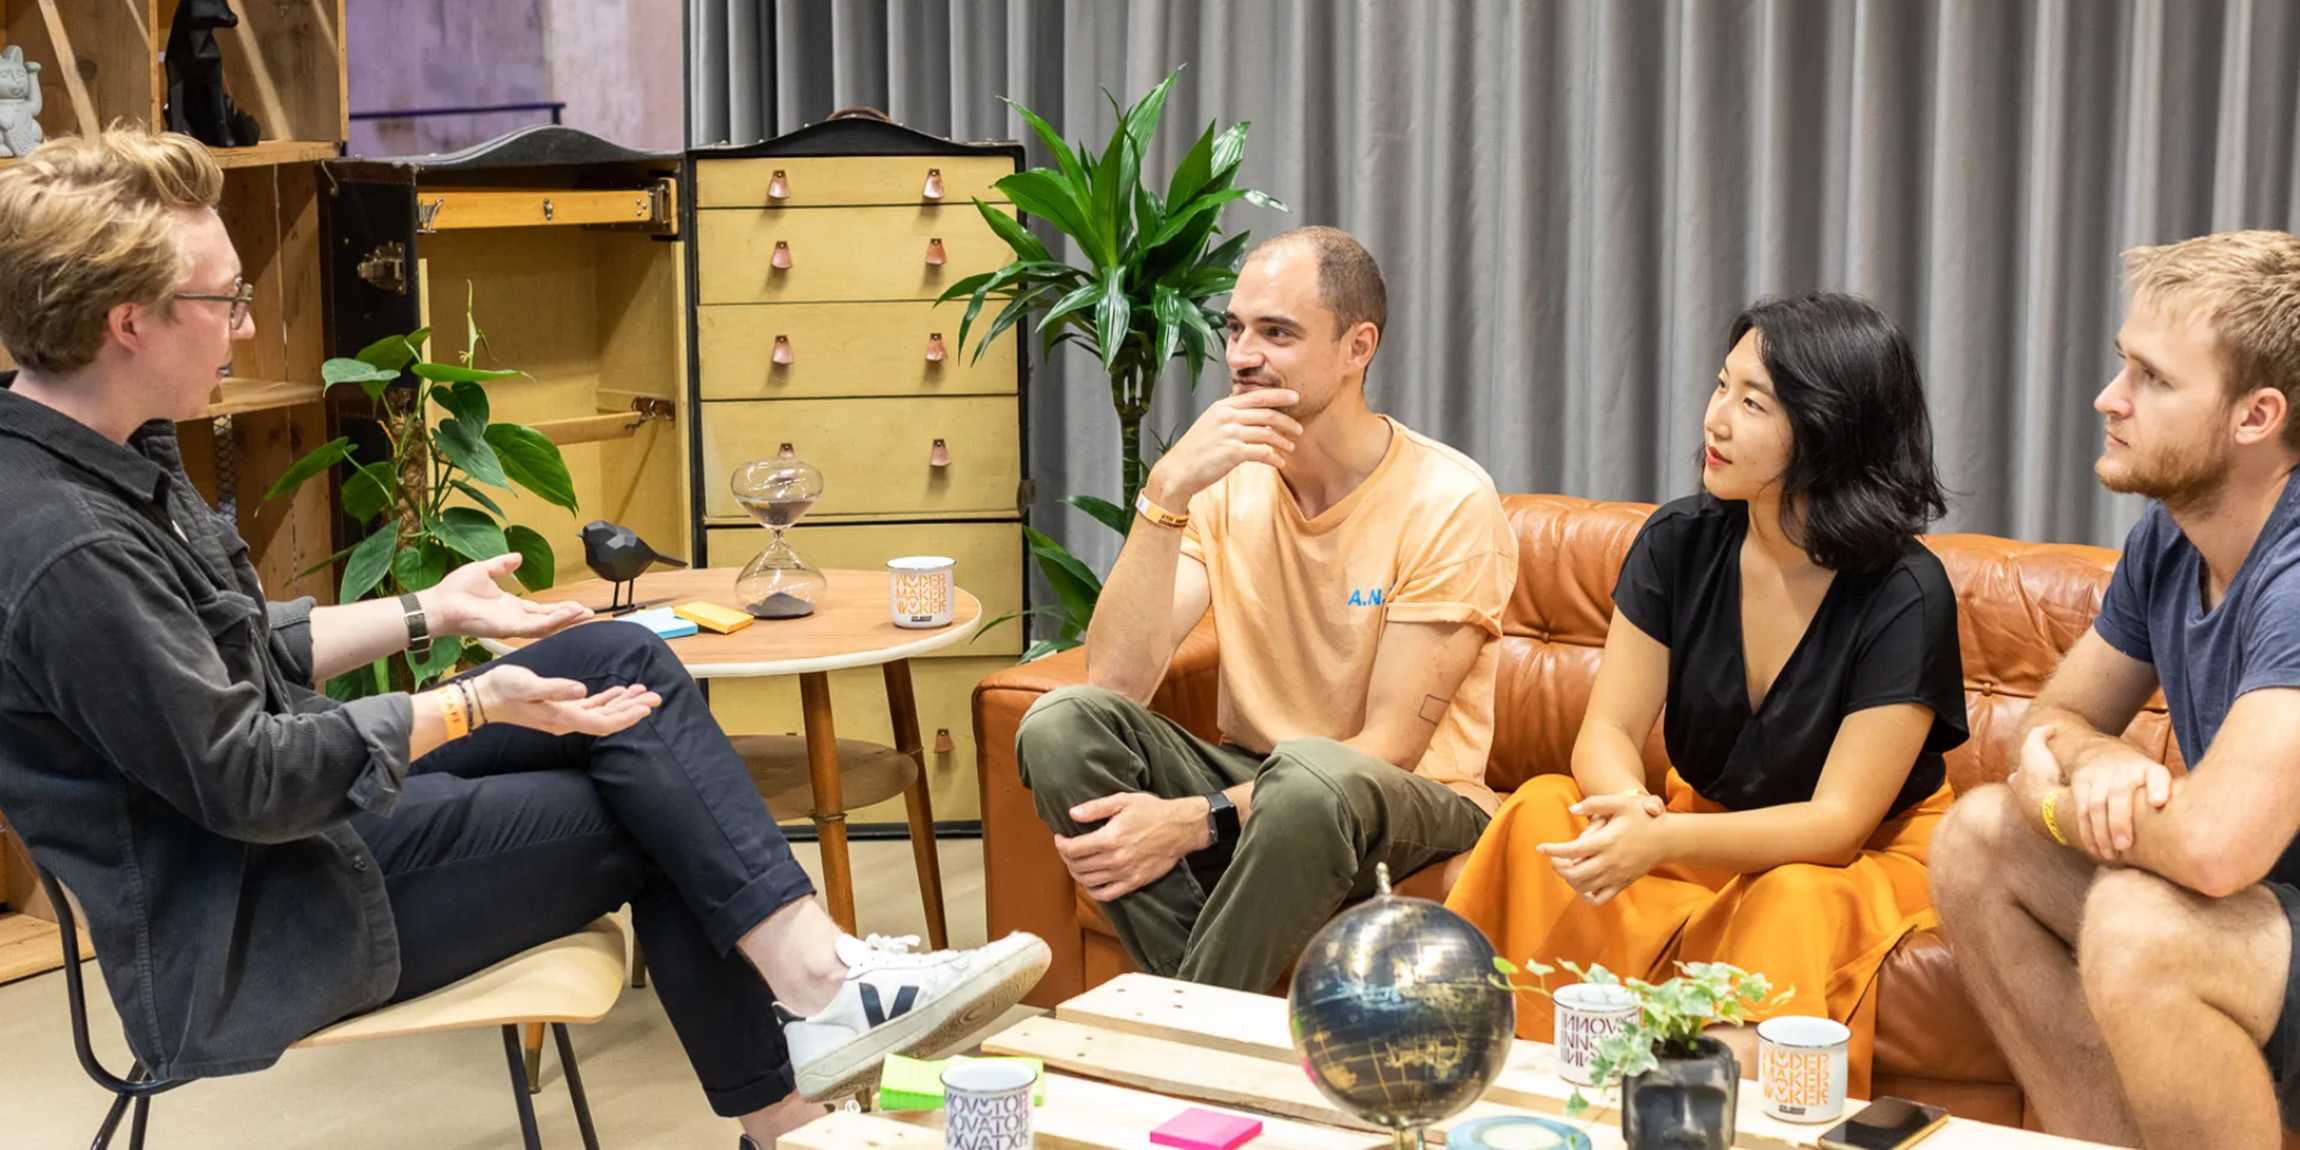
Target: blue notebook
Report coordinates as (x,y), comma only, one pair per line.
(661,621)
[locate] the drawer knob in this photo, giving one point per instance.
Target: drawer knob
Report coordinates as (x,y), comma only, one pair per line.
(782,257)
(786,452)
(779,187)
(934,349)
(782,351)
(935,257)
(940,456)
(933,188)
(942,743)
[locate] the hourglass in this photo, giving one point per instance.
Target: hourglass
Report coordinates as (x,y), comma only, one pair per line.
(776,492)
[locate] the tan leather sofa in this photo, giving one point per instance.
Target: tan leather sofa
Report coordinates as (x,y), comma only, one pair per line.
(2020,606)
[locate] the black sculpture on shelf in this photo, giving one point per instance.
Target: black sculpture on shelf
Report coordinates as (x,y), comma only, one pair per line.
(617,554)
(197,103)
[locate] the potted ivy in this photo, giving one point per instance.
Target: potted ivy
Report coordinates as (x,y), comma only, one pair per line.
(1679,1086)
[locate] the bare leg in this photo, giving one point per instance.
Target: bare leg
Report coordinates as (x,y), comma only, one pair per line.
(2187,990)
(795,949)
(764,1126)
(2010,901)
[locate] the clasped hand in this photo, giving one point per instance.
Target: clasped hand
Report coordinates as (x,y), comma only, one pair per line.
(1621,844)
(1141,837)
(2100,817)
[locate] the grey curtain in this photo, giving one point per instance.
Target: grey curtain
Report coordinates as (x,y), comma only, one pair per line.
(1571,198)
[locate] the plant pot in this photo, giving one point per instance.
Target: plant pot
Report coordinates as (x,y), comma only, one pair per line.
(1685,1104)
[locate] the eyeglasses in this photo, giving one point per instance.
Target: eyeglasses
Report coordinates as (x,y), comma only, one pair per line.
(241,297)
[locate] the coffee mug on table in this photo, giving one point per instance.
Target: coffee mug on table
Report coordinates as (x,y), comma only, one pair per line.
(922,590)
(1587,1013)
(1801,1067)
(986,1105)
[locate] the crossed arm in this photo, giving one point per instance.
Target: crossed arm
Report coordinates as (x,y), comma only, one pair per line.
(2216,831)
(1631,832)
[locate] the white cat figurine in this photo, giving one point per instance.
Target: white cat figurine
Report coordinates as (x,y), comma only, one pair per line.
(19,103)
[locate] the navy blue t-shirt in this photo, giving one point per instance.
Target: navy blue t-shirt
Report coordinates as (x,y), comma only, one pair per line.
(2154,612)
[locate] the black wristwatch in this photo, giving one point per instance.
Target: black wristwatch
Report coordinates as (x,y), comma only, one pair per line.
(418,627)
(1222,821)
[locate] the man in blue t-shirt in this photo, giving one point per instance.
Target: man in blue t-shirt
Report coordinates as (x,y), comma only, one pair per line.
(2129,936)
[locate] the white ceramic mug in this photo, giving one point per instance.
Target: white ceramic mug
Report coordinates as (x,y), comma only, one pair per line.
(922,590)
(1587,1014)
(986,1105)
(1801,1067)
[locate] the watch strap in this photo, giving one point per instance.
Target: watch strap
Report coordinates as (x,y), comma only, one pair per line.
(418,625)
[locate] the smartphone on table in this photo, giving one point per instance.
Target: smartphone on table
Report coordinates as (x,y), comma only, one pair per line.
(1886,1124)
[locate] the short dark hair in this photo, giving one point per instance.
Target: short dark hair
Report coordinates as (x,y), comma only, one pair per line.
(1860,474)
(1349,281)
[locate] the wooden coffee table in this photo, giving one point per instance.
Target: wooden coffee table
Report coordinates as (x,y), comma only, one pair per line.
(820,776)
(1130,1054)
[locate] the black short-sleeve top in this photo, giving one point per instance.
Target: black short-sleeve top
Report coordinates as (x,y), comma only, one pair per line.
(1879,638)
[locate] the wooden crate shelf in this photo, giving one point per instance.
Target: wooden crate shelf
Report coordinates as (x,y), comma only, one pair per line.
(238,396)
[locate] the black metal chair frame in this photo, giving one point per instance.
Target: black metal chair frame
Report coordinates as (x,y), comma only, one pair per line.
(138,1087)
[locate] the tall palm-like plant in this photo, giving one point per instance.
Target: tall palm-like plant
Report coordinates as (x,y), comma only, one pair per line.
(1140,300)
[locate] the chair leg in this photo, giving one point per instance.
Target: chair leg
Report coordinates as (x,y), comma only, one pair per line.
(531,1041)
(575,1086)
(136,1129)
(111,1122)
(515,1056)
(638,967)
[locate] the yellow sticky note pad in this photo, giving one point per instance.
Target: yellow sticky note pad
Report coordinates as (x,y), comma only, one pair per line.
(713,617)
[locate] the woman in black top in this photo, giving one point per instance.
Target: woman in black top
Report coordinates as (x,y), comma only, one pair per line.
(1802,646)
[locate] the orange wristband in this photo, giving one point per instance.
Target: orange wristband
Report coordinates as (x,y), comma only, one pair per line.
(452,713)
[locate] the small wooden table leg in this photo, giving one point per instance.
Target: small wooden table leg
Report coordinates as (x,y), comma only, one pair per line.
(830,814)
(903,708)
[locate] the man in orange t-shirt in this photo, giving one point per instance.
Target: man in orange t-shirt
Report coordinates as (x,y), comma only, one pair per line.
(1356,572)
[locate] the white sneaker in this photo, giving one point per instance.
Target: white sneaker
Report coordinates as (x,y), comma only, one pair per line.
(897,1002)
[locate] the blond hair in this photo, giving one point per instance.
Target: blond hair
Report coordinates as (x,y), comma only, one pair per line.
(85,226)
(2246,287)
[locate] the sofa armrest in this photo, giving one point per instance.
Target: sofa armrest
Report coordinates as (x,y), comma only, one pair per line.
(1025,887)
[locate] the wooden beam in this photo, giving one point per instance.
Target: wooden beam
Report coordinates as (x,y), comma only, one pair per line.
(68,62)
(449,209)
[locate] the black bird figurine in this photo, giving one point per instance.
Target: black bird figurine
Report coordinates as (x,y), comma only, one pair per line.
(617,554)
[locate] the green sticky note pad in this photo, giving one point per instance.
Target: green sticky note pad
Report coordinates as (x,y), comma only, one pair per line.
(911,1084)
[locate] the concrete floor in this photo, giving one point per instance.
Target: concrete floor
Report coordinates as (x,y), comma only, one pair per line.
(442,1092)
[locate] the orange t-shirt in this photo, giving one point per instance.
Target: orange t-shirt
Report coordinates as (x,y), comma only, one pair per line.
(1300,605)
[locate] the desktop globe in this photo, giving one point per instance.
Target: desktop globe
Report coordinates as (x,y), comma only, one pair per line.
(1398,1013)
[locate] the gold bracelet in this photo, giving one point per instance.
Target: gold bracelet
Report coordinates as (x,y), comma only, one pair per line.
(1156,514)
(2051,825)
(451,712)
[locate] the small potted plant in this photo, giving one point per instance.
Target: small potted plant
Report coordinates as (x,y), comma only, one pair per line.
(1679,1086)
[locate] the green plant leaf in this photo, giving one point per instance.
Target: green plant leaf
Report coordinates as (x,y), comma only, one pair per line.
(1173,319)
(1112,316)
(1071,304)
(1016,311)
(420,567)
(1075,586)
(1106,513)
(392,352)
(371,379)
(320,458)
(368,562)
(1017,237)
(469,532)
(456,373)
(1229,148)
(1044,194)
(1141,121)
(1110,200)
(368,490)
(1197,164)
(466,446)
(533,462)
(465,401)
(1045,647)
(1181,216)
(538,567)
(968,286)
(436,662)
(1064,158)
(480,497)
(1225,257)
(1265,200)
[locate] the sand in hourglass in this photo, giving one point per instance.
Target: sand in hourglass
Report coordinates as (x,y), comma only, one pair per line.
(775,515)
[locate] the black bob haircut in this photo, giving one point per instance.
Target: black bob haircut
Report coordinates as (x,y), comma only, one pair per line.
(1860,479)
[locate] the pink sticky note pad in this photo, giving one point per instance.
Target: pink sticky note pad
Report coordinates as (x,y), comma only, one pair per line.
(1196,1129)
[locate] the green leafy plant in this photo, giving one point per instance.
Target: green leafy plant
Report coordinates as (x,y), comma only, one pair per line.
(1140,299)
(1670,1018)
(414,538)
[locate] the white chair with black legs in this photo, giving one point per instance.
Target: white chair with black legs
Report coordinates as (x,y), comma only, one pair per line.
(575,979)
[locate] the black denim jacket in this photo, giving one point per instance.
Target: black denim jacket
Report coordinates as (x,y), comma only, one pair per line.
(162,752)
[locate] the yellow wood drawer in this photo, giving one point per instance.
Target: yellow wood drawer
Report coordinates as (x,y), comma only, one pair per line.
(876,455)
(840,255)
(989,557)
(846,181)
(944,689)
(849,349)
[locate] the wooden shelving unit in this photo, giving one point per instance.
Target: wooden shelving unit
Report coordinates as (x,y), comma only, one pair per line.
(101,63)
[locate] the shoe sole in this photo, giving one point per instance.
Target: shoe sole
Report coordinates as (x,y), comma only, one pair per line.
(928,1031)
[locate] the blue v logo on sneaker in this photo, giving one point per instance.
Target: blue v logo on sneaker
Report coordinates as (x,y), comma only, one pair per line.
(876,1013)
